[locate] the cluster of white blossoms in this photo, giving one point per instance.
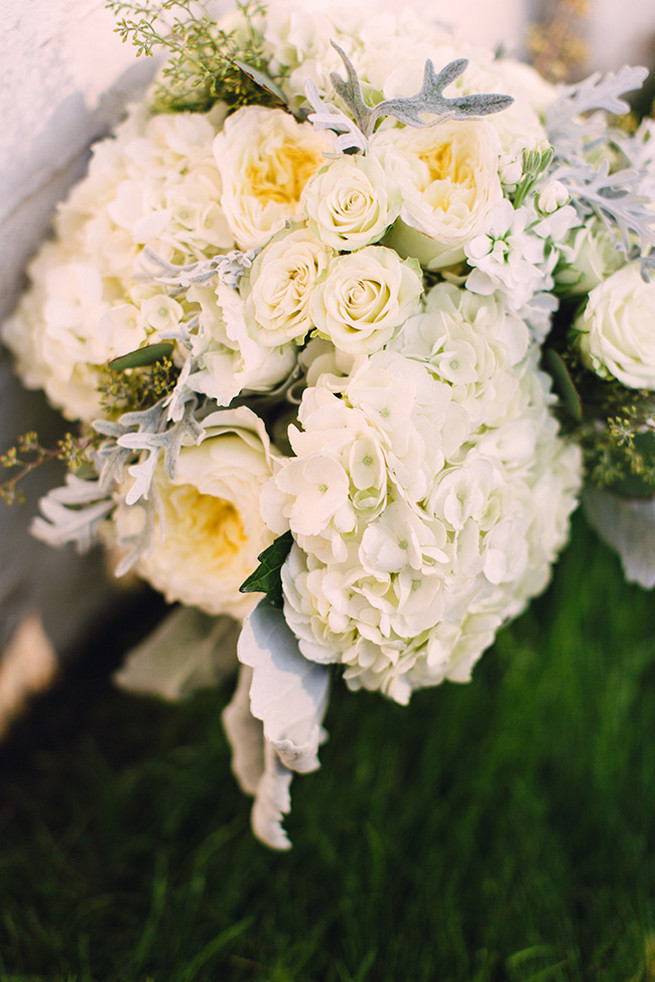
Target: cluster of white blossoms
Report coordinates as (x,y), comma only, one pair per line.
(239,237)
(341,295)
(427,497)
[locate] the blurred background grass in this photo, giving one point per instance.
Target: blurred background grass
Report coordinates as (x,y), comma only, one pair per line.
(501,830)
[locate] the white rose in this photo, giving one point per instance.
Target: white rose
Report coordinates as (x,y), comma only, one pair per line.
(588,258)
(616,329)
(265,159)
(448,174)
(212,530)
(364,298)
(351,202)
(282,281)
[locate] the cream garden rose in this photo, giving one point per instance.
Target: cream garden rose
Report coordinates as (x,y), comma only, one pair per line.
(450,184)
(265,158)
(616,336)
(364,297)
(209,528)
(351,202)
(282,282)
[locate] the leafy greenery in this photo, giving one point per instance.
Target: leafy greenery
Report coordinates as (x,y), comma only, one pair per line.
(142,357)
(137,388)
(266,578)
(612,424)
(535,163)
(27,454)
(502,831)
(205,63)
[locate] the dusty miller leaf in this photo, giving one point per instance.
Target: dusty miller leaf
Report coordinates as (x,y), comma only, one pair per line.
(411,109)
(274,719)
(595,92)
(72,513)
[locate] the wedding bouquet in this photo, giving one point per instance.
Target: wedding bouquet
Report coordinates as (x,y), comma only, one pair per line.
(301,305)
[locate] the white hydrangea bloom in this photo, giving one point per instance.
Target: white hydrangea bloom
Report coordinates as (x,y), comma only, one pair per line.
(153,182)
(423,515)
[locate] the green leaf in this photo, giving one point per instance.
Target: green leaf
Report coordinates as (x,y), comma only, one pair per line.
(262,80)
(266,578)
(563,384)
(141,357)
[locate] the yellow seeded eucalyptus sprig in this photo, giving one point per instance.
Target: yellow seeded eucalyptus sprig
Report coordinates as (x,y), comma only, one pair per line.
(205,61)
(27,454)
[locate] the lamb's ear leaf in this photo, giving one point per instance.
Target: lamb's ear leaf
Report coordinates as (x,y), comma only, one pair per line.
(628,526)
(257,767)
(274,720)
(188,651)
(288,691)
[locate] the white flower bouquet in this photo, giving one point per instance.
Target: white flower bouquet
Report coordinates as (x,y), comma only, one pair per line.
(301,305)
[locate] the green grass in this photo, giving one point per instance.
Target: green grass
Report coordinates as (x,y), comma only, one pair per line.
(503,830)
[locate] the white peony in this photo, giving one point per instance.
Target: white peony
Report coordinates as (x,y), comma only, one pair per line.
(265,158)
(450,185)
(364,297)
(615,329)
(209,530)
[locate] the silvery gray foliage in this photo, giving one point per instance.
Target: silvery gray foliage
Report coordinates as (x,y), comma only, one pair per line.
(328,117)
(274,721)
(72,513)
(648,266)
(410,110)
(229,268)
(566,131)
(136,442)
(146,434)
(615,196)
(627,525)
